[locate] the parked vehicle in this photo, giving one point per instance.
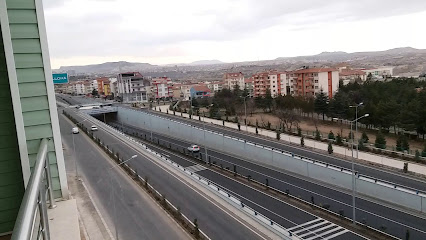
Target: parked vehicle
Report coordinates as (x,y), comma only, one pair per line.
(75,130)
(94,128)
(194,148)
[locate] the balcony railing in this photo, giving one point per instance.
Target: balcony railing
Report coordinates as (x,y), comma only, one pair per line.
(32,221)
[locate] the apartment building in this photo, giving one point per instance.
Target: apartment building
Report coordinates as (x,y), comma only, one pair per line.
(133,87)
(186,90)
(249,85)
(308,82)
(162,87)
(215,86)
(233,79)
(266,81)
(379,73)
(352,75)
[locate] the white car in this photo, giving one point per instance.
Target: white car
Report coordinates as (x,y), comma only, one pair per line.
(94,128)
(75,130)
(194,148)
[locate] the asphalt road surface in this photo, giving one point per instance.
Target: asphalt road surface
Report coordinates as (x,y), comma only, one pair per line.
(132,211)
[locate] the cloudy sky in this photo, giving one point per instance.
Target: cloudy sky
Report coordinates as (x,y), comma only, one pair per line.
(180,31)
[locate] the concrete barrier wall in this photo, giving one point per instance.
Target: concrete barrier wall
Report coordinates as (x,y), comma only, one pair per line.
(268,156)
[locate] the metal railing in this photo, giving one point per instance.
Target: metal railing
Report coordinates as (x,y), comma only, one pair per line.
(32,221)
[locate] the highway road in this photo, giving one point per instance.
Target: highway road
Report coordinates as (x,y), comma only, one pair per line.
(393,221)
(217,224)
(135,214)
(376,215)
(282,213)
(384,174)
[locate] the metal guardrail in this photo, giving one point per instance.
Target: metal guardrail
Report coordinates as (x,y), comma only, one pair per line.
(34,201)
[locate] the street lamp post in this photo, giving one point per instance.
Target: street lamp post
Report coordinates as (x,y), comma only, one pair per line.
(75,155)
(245,112)
(112,195)
(356,126)
(353,170)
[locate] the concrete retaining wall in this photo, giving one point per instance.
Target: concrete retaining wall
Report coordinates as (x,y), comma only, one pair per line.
(265,155)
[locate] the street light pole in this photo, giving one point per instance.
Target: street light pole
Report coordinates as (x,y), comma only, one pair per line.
(112,195)
(353,170)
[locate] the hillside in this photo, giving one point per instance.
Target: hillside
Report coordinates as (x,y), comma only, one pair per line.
(407,62)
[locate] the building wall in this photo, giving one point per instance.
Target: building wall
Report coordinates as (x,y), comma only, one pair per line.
(27,61)
(322,82)
(11,180)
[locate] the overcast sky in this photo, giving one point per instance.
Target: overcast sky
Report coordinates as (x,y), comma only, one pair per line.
(84,32)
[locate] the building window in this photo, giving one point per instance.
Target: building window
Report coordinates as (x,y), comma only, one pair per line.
(316,75)
(316,81)
(316,87)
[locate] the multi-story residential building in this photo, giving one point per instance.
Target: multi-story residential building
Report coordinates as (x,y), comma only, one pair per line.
(100,84)
(249,85)
(308,82)
(267,81)
(133,87)
(379,73)
(162,87)
(233,79)
(113,86)
(186,90)
(352,75)
(215,86)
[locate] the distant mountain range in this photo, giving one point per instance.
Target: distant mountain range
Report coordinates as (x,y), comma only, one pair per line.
(407,61)
(344,56)
(106,68)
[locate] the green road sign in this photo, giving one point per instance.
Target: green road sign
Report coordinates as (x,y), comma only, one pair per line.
(60,78)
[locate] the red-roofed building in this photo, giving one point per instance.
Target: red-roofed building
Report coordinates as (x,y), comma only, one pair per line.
(352,75)
(233,79)
(199,91)
(264,81)
(162,87)
(308,82)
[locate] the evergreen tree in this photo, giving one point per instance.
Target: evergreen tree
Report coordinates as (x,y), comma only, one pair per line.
(317,135)
(339,139)
(321,104)
(417,156)
(299,131)
(331,135)
(380,141)
(364,137)
(302,141)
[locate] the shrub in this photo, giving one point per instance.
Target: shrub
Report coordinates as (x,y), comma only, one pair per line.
(302,141)
(364,137)
(317,135)
(299,131)
(380,141)
(339,140)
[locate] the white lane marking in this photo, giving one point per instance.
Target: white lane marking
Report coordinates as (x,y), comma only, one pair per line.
(195,168)
(303,224)
(142,152)
(319,236)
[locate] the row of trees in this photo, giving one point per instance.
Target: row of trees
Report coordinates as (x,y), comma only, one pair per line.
(395,104)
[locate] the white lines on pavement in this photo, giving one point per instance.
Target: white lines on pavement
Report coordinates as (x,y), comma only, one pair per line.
(318,229)
(195,168)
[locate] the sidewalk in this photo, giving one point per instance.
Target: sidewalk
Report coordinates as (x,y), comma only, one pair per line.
(63,221)
(346,152)
(92,225)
